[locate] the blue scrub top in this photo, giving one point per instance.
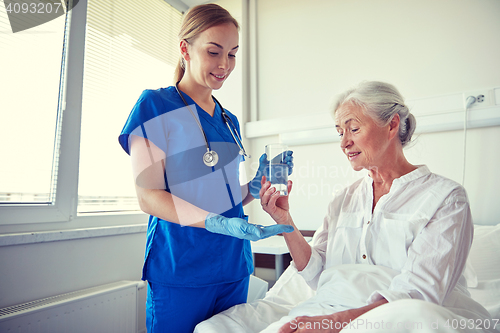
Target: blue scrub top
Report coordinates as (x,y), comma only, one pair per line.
(179,255)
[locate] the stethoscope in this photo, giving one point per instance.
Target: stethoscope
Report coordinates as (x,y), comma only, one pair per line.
(210,158)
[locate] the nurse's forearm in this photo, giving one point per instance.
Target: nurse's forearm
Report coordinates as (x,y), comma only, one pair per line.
(246,195)
(300,250)
(170,208)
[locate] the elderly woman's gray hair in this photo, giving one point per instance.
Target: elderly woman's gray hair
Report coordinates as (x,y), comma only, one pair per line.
(381,101)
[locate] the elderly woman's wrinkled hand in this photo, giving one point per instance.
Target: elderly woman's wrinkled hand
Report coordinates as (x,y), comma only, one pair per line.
(314,324)
(275,205)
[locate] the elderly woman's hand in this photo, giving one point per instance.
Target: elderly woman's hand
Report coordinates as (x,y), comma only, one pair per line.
(315,324)
(330,323)
(275,205)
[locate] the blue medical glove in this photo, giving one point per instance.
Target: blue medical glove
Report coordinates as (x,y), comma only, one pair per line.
(255,182)
(240,228)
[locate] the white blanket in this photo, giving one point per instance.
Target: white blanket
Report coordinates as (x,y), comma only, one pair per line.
(341,288)
(345,287)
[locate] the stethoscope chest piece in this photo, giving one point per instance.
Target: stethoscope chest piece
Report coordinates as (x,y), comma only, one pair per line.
(210,158)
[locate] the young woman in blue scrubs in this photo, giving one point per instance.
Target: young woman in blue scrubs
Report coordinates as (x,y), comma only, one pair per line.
(198,256)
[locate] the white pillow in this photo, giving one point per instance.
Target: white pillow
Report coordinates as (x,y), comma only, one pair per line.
(257,288)
(484,254)
(483,268)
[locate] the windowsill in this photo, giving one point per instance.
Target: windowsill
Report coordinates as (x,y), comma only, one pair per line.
(81,221)
(109,213)
(72,234)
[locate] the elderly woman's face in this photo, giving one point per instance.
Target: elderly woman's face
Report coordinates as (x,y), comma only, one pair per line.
(361,139)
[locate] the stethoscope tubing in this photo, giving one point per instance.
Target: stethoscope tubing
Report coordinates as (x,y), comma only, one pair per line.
(227,120)
(194,116)
(234,133)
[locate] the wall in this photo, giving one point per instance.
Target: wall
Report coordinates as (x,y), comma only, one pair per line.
(39,270)
(33,271)
(310,51)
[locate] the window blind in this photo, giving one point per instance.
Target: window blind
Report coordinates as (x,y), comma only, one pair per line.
(130,46)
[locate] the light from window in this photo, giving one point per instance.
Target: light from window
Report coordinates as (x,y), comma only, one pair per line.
(130,46)
(29,93)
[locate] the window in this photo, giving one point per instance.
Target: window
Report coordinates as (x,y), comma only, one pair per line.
(130,46)
(29,90)
(67,88)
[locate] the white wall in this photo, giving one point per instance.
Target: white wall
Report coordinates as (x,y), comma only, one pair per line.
(34,271)
(308,51)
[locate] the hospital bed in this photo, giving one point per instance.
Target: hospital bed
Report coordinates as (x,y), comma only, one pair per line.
(482,274)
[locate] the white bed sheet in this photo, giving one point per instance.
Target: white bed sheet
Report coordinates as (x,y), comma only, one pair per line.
(482,273)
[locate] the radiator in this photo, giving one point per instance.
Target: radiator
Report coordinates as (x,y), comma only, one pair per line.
(108,308)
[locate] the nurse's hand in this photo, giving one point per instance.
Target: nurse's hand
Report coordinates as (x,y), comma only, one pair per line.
(275,205)
(255,184)
(240,228)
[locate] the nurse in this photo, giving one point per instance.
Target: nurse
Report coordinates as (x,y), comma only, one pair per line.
(198,256)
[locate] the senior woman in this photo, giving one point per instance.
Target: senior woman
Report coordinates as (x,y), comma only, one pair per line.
(399,233)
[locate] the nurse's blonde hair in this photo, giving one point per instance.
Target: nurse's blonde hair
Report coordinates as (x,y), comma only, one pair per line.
(195,21)
(381,101)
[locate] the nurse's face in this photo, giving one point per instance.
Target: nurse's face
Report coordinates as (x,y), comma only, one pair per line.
(361,139)
(211,57)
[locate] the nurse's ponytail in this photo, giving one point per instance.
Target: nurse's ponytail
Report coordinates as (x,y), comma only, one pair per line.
(195,21)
